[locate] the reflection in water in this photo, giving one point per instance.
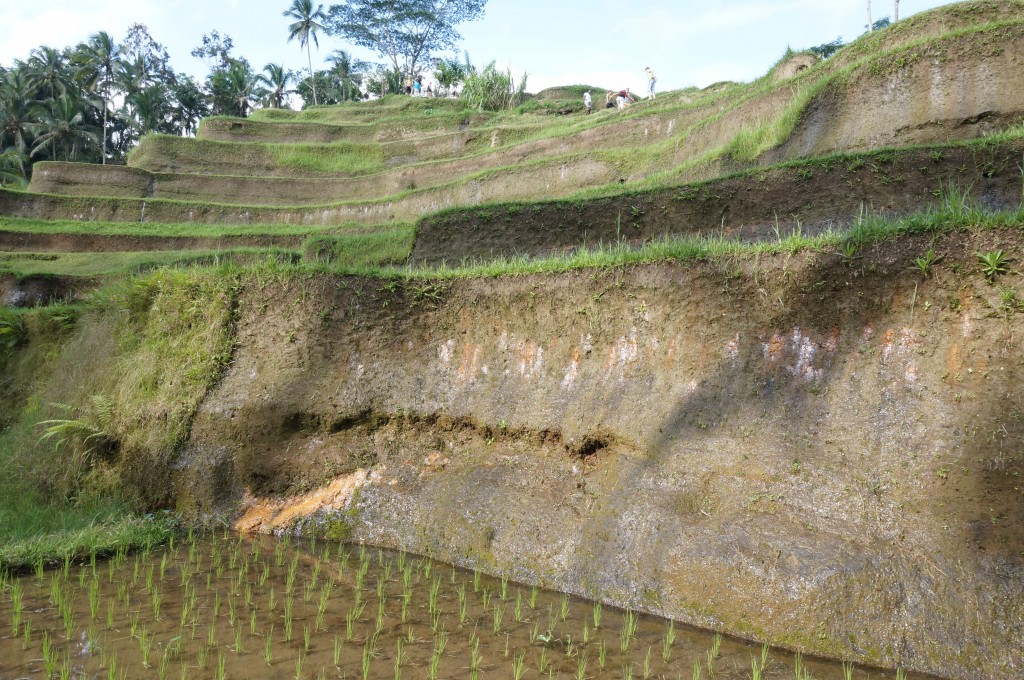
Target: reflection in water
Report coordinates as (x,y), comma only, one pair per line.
(230,606)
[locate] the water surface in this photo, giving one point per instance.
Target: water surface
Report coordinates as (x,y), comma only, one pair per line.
(230,606)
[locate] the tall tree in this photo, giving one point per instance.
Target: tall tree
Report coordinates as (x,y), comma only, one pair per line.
(405,32)
(347,70)
(17,110)
(189,105)
(233,89)
(276,80)
(48,71)
(134,75)
(151,109)
(139,43)
(307,23)
(99,63)
(215,51)
(325,84)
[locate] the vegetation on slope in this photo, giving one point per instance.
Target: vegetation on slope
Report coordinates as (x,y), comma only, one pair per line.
(109,392)
(132,366)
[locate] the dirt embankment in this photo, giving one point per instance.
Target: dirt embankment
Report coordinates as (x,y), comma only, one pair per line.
(68,243)
(819,451)
(958,87)
(38,290)
(808,197)
(406,127)
(89,179)
(163,153)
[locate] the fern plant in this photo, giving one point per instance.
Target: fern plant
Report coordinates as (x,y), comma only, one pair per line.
(12,329)
(88,432)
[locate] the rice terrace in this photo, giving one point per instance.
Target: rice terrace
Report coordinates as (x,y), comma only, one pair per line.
(726,383)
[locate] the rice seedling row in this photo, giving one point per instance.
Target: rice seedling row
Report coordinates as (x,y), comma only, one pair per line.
(231,606)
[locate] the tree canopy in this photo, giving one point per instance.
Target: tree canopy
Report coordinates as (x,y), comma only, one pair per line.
(406,32)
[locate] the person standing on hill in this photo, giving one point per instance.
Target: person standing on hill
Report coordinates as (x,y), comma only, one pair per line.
(588,103)
(608,103)
(623,96)
(651,80)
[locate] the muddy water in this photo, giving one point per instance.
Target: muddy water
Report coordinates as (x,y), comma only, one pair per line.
(235,607)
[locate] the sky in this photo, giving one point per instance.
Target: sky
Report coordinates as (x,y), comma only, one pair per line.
(605,43)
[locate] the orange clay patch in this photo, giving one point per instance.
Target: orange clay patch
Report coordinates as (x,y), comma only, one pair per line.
(267,515)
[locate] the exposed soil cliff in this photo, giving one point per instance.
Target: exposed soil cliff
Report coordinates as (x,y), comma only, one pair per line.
(815,450)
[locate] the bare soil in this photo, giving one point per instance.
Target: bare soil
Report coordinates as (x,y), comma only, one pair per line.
(37,290)
(956,88)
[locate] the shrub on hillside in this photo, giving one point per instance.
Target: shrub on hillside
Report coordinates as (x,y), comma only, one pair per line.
(493,90)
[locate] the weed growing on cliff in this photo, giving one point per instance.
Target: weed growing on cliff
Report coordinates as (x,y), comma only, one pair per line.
(993,263)
(924,263)
(1008,301)
(751,142)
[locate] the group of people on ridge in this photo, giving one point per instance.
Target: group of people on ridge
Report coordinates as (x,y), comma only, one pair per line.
(622,98)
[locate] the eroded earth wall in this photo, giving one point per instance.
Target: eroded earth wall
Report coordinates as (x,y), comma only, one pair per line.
(817,450)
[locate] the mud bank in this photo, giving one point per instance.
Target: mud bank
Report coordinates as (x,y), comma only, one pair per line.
(816,451)
(36,290)
(807,197)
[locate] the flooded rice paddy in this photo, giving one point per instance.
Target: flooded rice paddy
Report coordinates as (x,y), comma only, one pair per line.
(231,606)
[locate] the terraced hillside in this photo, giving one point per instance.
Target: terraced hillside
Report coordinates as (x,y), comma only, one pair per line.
(744,356)
(939,77)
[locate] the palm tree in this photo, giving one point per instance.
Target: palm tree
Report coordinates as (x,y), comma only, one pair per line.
(150,109)
(64,122)
(276,79)
(347,70)
(307,23)
(17,108)
(100,61)
(133,76)
(189,105)
(12,167)
(48,72)
(232,89)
